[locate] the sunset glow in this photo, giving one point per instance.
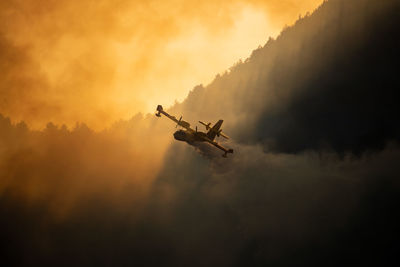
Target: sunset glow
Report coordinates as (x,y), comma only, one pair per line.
(110,61)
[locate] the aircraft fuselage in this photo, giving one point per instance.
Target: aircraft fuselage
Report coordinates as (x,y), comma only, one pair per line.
(190,137)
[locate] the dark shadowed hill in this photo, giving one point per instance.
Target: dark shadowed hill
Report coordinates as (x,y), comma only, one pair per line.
(330,81)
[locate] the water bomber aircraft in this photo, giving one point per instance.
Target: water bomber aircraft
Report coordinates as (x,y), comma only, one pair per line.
(191,136)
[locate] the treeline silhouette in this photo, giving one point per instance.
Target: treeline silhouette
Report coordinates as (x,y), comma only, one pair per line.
(60,166)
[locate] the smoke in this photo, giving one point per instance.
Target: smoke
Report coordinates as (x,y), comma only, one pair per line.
(62,167)
(313,179)
(250,209)
(259,209)
(97,62)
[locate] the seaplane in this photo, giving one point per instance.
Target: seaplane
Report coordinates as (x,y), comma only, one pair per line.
(190,136)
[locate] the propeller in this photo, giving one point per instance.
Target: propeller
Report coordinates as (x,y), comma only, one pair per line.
(180,119)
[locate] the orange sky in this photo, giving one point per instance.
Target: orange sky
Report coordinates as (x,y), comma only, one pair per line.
(99,61)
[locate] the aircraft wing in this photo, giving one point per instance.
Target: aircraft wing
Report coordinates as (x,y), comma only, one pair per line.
(179,122)
(226,150)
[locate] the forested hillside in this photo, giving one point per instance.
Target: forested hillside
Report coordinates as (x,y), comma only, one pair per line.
(330,82)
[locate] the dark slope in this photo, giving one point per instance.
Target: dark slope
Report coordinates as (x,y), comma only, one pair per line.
(330,81)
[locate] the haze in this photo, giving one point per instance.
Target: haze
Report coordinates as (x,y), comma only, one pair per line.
(311,115)
(100,61)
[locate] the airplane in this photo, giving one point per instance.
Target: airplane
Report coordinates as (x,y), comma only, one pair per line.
(190,135)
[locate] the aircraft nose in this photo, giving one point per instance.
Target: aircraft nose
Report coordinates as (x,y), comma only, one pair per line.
(179,135)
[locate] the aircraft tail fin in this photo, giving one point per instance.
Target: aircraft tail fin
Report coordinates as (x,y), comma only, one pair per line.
(159,110)
(215,130)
